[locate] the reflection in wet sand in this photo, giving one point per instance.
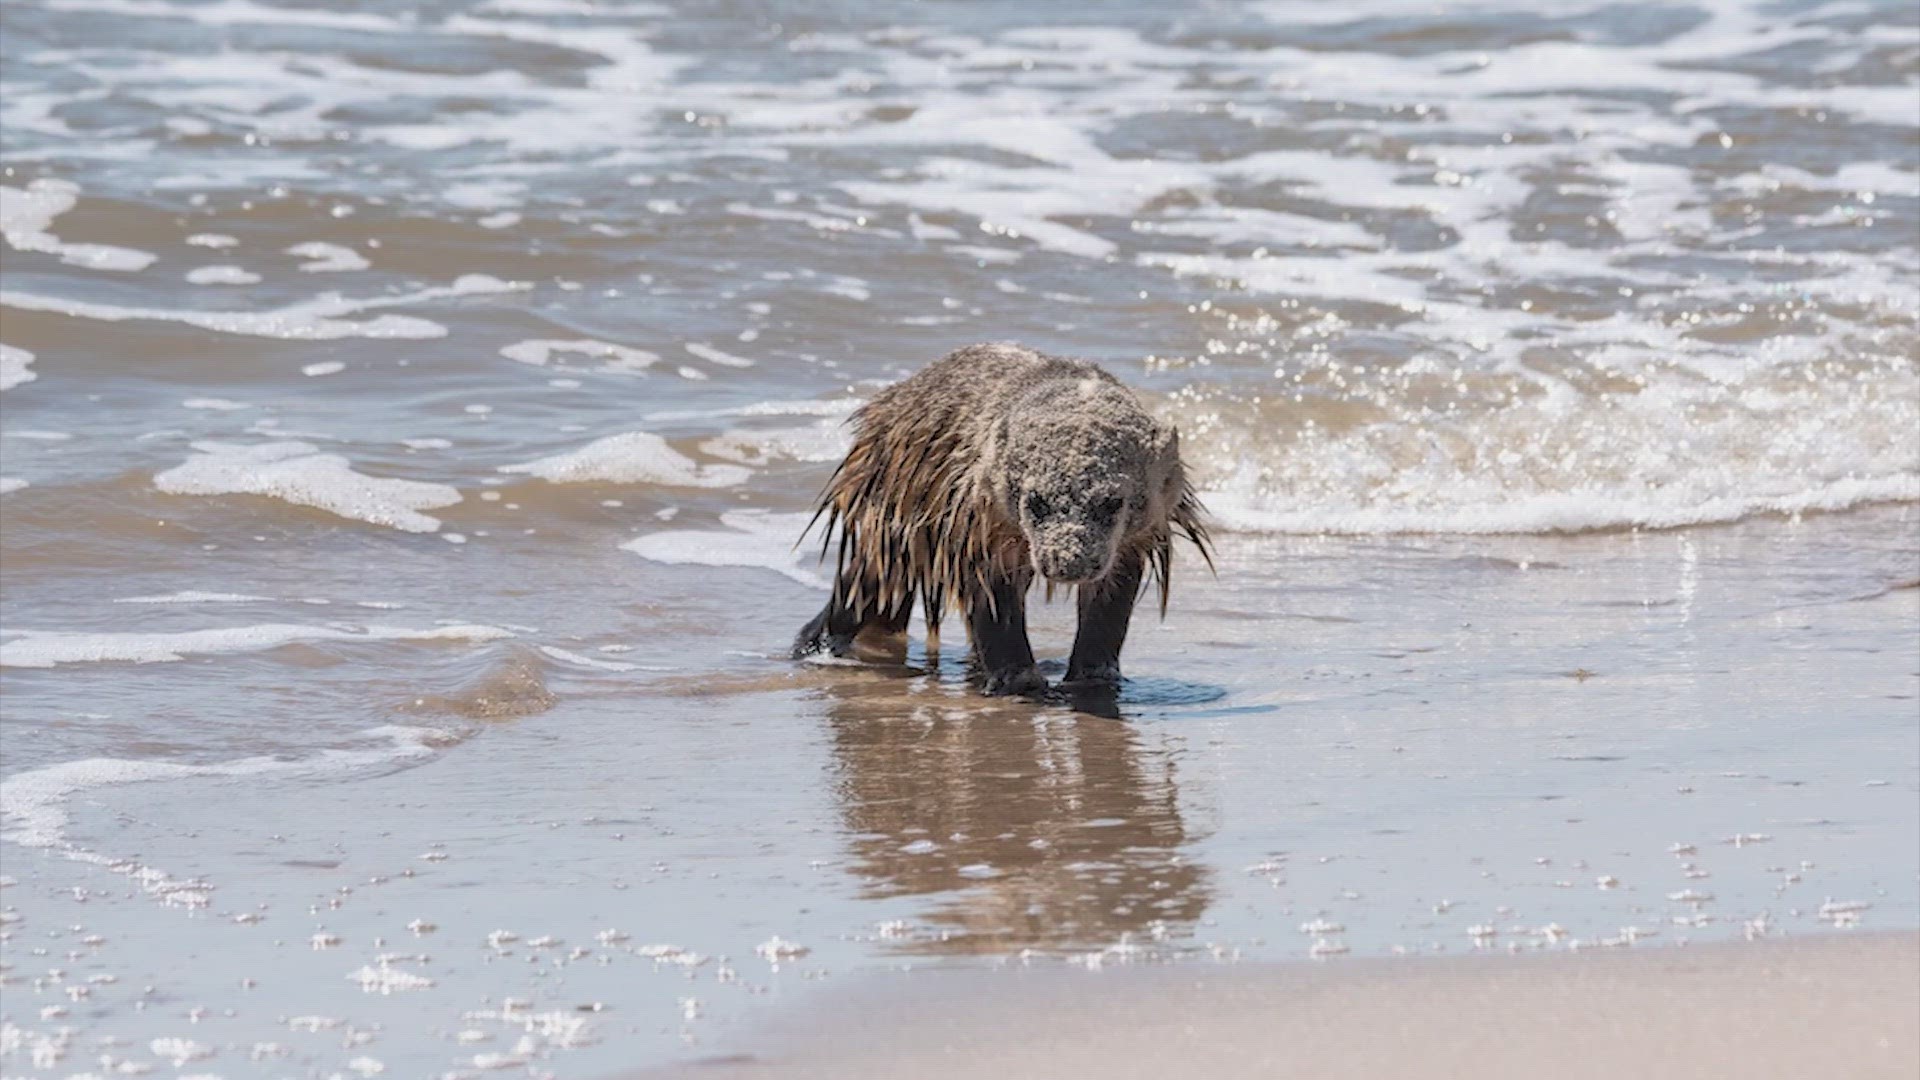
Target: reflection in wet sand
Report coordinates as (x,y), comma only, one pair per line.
(1024,828)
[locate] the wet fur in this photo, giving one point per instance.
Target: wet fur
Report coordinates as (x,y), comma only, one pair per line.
(927,506)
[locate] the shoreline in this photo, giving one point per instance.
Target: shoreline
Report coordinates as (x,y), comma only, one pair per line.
(1834,1004)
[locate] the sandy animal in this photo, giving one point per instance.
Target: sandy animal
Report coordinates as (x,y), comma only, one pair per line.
(990,466)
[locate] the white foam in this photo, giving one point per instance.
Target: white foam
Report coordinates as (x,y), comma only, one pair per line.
(11,484)
(328,258)
(309,320)
(233,13)
(216,241)
(575,658)
(192,596)
(715,356)
(298,473)
(635,457)
(484,194)
(323,367)
(26,213)
(214,404)
(835,407)
(602,8)
(752,538)
(49,648)
(387,979)
(539,352)
(15,367)
(1695,442)
(33,810)
(1562,512)
(827,440)
(221,275)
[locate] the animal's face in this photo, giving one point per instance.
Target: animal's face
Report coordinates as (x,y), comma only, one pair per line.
(1074,524)
(1079,478)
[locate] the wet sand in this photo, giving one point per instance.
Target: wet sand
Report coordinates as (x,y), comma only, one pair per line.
(408,414)
(1339,749)
(1835,1006)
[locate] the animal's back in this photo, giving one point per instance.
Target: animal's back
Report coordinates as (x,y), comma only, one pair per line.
(975,382)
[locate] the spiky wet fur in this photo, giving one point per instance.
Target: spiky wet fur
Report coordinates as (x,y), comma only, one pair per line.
(920,507)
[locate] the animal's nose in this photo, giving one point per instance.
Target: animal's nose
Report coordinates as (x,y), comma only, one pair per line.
(1076,567)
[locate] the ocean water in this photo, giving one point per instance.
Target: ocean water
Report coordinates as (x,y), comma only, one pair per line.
(408,414)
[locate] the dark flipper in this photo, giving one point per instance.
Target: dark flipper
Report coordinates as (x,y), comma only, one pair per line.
(999,624)
(1106,607)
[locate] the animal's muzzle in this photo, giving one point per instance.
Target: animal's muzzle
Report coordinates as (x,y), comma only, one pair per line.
(1072,562)
(1070,573)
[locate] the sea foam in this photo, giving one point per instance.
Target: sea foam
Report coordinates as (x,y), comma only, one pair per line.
(50,648)
(320,318)
(299,473)
(752,538)
(27,213)
(16,367)
(539,352)
(33,809)
(634,457)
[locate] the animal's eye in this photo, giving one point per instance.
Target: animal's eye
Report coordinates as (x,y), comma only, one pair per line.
(1036,505)
(1109,507)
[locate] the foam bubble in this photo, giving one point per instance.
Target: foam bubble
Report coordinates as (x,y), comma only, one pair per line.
(298,473)
(634,457)
(617,358)
(309,320)
(33,810)
(192,596)
(221,275)
(328,258)
(1559,512)
(567,657)
(715,356)
(827,440)
(752,538)
(15,367)
(49,648)
(1568,449)
(233,13)
(26,213)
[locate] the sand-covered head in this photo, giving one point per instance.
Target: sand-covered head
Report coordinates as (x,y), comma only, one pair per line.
(1082,467)
(1000,462)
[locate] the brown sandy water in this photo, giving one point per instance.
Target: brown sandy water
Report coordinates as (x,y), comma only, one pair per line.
(408,417)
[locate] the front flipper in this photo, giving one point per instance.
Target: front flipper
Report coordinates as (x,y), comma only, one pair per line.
(1106,608)
(1000,647)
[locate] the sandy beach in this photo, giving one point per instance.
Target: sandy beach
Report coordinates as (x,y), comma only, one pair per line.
(1830,1005)
(410,415)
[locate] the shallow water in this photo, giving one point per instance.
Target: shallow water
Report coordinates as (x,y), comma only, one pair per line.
(409,416)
